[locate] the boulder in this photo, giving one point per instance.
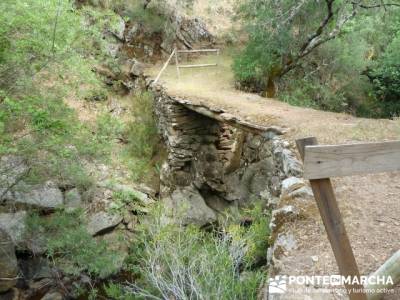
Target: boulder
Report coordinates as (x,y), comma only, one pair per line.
(14,225)
(8,262)
(102,222)
(46,196)
(187,206)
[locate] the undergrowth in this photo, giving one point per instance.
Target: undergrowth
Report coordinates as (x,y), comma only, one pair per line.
(142,137)
(186,262)
(69,245)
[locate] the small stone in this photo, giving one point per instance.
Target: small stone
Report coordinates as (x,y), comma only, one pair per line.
(136,68)
(291,184)
(314,258)
(282,215)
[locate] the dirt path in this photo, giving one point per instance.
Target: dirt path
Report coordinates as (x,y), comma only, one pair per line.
(370,204)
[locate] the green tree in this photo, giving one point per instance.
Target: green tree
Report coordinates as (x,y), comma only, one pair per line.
(283,33)
(385,76)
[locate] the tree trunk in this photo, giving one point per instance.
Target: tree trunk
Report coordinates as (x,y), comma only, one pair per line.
(271,87)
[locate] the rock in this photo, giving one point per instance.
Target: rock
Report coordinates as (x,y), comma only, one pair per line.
(118,29)
(102,221)
(221,205)
(73,199)
(13,294)
(194,30)
(136,69)
(112,49)
(262,171)
(291,165)
(8,262)
(284,243)
(282,215)
(12,168)
(188,206)
(132,32)
(14,225)
(291,184)
(53,295)
(47,196)
(304,193)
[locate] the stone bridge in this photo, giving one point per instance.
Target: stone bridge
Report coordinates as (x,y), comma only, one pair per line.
(217,161)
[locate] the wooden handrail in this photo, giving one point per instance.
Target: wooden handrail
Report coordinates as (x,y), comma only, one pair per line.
(199,50)
(197,66)
(164,67)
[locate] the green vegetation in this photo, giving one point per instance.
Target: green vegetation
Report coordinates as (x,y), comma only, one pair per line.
(332,55)
(46,56)
(142,137)
(69,246)
(171,260)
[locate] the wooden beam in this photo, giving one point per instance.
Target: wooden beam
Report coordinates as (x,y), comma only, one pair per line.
(199,50)
(177,64)
(334,225)
(343,160)
(197,66)
(164,67)
(390,268)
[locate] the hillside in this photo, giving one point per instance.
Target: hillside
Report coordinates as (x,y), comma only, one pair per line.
(114,186)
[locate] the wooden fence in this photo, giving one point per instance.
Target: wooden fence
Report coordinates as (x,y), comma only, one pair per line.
(175,53)
(323,162)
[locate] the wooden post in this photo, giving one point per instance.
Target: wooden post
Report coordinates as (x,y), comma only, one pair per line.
(334,226)
(164,67)
(177,64)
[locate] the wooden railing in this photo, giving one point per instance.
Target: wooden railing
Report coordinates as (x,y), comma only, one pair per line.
(178,67)
(324,161)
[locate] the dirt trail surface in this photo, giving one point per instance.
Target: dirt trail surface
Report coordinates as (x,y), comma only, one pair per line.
(370,204)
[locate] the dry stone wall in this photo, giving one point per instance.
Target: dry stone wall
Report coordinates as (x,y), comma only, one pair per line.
(212,166)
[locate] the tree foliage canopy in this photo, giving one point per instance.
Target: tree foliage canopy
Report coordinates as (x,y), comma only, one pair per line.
(297,39)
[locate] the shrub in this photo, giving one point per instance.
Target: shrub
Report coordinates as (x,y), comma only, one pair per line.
(46,133)
(142,135)
(386,79)
(173,261)
(70,246)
